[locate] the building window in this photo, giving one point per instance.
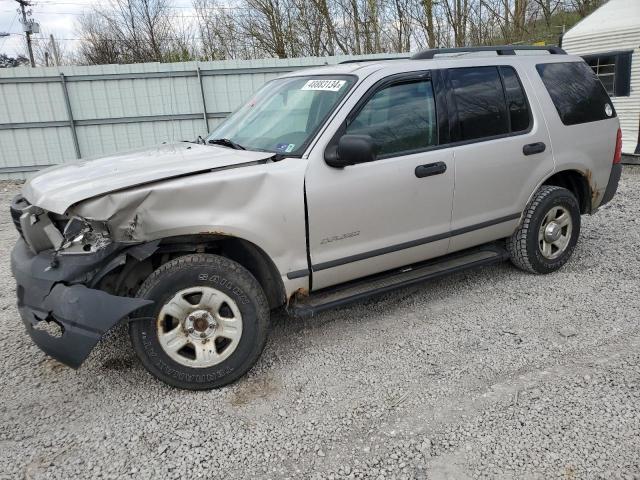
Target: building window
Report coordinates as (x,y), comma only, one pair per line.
(614,71)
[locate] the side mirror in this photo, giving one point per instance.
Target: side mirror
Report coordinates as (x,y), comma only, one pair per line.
(351,149)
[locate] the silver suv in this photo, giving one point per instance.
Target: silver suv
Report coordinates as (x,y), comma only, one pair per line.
(329,185)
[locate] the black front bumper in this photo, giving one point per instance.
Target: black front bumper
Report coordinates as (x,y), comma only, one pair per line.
(59,295)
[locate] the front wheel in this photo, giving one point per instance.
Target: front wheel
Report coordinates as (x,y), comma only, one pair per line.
(549,231)
(207,326)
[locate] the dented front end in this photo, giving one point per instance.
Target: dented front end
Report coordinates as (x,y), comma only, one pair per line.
(73,236)
(262,204)
(56,262)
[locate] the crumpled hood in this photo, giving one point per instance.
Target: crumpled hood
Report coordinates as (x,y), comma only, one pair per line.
(57,188)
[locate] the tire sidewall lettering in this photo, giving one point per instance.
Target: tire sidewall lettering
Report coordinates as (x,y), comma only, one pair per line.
(157,358)
(224,283)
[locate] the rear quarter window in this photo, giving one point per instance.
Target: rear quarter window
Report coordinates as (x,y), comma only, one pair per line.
(576,92)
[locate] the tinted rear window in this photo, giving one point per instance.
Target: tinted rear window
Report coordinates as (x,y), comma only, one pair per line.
(480,102)
(577,94)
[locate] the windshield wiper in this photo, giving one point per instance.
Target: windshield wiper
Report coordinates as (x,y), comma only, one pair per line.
(225,142)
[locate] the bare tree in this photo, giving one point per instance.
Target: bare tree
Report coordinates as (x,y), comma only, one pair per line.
(138,31)
(585,7)
(10,62)
(457,12)
(548,9)
(426,23)
(124,31)
(268,22)
(333,44)
(45,52)
(313,32)
(97,47)
(398,26)
(427,7)
(221,36)
(182,45)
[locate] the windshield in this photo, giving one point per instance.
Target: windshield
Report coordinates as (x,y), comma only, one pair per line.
(284,114)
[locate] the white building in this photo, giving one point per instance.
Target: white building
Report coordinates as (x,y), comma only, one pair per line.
(609,40)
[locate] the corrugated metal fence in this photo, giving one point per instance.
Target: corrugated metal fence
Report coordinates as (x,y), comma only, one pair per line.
(52,115)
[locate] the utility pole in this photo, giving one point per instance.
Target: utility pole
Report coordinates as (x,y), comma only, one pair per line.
(564,30)
(54,47)
(27,26)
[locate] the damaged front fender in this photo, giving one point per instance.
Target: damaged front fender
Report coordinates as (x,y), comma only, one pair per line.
(262,204)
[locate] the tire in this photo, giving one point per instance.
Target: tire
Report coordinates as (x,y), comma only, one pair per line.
(530,247)
(208,324)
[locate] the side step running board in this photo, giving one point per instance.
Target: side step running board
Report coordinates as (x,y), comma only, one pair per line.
(383,282)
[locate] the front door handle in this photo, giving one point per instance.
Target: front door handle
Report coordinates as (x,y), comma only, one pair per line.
(430,169)
(533,148)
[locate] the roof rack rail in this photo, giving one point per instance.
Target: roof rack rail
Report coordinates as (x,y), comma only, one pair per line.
(499,49)
(359,60)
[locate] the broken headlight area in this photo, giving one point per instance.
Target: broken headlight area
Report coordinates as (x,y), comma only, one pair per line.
(43,230)
(84,236)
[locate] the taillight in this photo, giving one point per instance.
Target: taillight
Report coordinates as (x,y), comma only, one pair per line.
(617,156)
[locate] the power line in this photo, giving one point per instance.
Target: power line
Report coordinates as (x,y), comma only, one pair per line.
(77,39)
(171,7)
(216,8)
(4,40)
(12,20)
(79,14)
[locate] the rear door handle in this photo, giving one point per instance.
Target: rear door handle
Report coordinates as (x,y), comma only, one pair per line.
(533,148)
(430,169)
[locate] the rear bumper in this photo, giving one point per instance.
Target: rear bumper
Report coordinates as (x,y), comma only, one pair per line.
(57,295)
(612,184)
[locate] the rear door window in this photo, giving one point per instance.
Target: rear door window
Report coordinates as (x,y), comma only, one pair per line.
(480,102)
(576,92)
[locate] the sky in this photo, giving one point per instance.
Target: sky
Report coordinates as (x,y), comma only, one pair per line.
(57,17)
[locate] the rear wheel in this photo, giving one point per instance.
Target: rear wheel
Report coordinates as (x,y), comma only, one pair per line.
(208,324)
(549,231)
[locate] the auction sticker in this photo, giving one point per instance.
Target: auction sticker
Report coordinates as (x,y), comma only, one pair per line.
(327,85)
(286,147)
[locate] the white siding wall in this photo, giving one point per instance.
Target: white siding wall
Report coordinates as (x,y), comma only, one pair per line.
(628,108)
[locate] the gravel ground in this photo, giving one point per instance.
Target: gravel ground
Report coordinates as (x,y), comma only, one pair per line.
(492,373)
